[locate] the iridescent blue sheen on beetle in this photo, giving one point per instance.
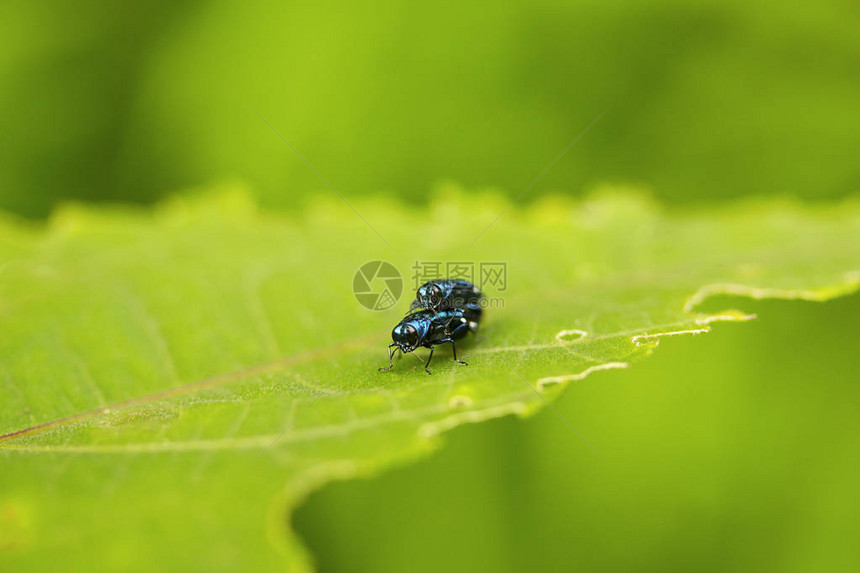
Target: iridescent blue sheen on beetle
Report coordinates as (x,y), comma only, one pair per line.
(447,294)
(427,328)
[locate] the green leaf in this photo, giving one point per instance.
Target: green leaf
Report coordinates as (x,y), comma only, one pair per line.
(175,381)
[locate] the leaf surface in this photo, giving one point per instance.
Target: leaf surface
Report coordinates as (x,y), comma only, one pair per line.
(175,380)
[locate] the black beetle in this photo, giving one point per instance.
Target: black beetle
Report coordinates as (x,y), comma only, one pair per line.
(446,294)
(428,328)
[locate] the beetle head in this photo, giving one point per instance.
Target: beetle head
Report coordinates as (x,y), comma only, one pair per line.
(430,295)
(405,336)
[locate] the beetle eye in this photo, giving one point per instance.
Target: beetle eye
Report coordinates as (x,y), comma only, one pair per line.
(435,294)
(411,336)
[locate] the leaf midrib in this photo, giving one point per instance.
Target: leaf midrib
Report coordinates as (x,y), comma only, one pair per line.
(276,365)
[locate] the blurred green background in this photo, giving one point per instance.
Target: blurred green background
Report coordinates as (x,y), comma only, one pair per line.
(732,451)
(703,101)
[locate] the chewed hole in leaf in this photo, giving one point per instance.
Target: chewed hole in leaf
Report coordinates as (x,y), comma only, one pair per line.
(543,383)
(570,335)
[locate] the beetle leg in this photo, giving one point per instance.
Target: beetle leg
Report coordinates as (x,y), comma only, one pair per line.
(450,333)
(390,357)
(454,350)
(428,361)
(448,324)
